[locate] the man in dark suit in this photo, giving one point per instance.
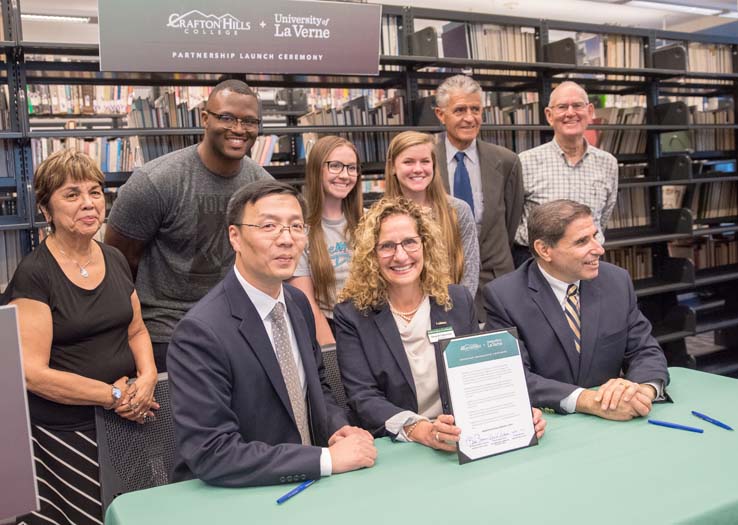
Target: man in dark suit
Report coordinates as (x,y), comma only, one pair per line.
(251,404)
(488,177)
(578,321)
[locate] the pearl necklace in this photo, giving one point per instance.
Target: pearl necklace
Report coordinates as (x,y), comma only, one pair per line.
(406,316)
(82,267)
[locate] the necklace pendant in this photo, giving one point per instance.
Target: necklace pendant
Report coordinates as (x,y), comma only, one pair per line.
(83,272)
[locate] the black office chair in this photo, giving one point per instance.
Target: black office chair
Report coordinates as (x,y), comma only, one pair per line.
(333,374)
(132,456)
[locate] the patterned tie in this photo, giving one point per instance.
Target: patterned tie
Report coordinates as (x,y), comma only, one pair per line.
(572,314)
(289,370)
(462,184)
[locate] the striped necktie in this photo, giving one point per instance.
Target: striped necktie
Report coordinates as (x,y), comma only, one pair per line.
(572,314)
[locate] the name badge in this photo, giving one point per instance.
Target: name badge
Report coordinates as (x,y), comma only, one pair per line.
(441,334)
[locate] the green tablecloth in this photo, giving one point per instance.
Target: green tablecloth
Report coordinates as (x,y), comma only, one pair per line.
(585,470)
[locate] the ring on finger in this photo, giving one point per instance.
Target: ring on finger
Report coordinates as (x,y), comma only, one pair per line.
(438,436)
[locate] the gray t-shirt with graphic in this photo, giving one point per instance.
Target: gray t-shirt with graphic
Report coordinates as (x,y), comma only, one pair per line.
(334,231)
(178,207)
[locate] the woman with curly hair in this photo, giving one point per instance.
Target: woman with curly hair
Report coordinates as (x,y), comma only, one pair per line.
(333,195)
(398,289)
(412,172)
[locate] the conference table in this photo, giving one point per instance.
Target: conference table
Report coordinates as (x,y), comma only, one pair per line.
(584,470)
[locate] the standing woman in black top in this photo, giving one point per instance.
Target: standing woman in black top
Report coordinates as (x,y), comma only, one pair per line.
(82,337)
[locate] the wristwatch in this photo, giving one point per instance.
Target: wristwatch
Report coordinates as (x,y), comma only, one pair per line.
(116,396)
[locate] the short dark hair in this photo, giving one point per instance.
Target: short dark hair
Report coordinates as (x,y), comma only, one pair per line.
(255,191)
(548,221)
(54,171)
(234,85)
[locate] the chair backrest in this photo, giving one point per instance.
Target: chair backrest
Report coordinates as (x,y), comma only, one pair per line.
(133,456)
(333,374)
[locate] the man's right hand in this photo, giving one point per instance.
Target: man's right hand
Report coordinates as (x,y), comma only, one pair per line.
(353,452)
(587,404)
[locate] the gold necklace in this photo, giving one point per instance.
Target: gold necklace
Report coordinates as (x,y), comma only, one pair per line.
(82,267)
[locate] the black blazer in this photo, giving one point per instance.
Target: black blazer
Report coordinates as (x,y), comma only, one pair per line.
(615,334)
(233,419)
(374,365)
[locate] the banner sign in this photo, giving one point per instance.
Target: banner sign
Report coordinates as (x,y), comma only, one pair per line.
(232,36)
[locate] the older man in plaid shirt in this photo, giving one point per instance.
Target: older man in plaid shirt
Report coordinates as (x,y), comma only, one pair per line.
(568,167)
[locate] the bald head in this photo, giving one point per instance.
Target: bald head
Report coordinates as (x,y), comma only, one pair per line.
(569,87)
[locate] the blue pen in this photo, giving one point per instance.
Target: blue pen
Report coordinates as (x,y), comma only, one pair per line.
(710,420)
(675,425)
(302,486)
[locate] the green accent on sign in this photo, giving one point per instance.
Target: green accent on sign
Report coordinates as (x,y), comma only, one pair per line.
(480,348)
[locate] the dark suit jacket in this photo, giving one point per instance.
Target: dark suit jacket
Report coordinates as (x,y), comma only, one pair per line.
(373,362)
(233,418)
(502,191)
(615,334)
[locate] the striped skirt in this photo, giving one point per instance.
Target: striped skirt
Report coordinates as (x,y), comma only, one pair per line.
(67,476)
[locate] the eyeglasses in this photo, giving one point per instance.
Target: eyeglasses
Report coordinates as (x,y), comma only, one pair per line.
(388,249)
(297,230)
(563,108)
(229,121)
(335,167)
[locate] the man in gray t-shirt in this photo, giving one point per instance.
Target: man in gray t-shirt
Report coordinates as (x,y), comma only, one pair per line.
(169,217)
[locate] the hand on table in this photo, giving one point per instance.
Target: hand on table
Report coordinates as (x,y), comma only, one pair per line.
(346,431)
(619,391)
(352,452)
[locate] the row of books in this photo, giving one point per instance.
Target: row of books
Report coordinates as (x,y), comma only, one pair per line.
(707,252)
(390,36)
(11,254)
(124,154)
(621,141)
(78,99)
(111,155)
(712,200)
(87,99)
(372,147)
(713,139)
(631,209)
(709,58)
(489,42)
(637,260)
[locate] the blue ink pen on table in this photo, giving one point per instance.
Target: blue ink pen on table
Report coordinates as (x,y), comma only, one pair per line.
(302,486)
(711,420)
(677,426)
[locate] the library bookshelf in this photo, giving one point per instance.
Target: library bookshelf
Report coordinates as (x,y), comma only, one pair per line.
(666,108)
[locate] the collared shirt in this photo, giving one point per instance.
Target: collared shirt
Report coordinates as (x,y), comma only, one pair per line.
(559,288)
(548,176)
(471,161)
(264,304)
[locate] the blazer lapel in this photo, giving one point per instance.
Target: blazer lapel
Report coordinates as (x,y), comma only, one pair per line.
(551,309)
(441,162)
(590,302)
(387,327)
(253,331)
(489,169)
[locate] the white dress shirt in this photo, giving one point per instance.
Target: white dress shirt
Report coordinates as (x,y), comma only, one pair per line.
(421,356)
(471,161)
(264,305)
